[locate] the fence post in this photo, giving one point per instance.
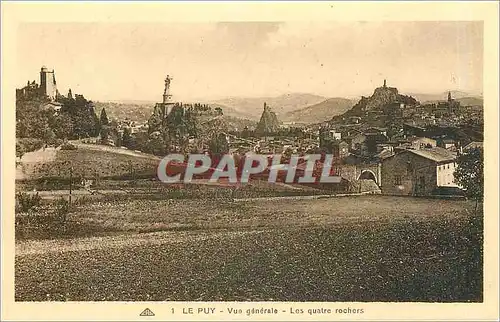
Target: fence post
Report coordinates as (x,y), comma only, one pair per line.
(96,179)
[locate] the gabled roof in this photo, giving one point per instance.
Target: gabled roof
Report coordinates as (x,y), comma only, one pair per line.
(384,154)
(473,145)
(376,128)
(418,138)
(436,154)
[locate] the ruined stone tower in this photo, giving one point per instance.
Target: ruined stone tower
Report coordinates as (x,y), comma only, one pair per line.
(48,83)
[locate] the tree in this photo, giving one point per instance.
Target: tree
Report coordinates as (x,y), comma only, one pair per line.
(156,145)
(104,118)
(218,145)
(104,134)
(127,138)
(469,173)
(61,125)
(104,126)
(19,150)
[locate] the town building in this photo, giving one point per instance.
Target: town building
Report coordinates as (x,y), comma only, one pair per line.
(472,145)
(356,141)
(416,143)
(340,149)
(418,172)
(446,143)
(334,134)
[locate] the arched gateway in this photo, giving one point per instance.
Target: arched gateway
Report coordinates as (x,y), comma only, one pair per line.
(368,175)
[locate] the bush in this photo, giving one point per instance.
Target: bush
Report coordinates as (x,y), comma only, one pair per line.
(26,145)
(26,202)
(62,207)
(58,142)
(68,146)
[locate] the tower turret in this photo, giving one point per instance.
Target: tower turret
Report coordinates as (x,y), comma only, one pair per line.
(48,83)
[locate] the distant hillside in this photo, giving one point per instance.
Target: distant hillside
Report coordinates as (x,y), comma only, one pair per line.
(471,101)
(141,111)
(238,124)
(232,112)
(238,107)
(464,101)
(458,95)
(252,107)
(138,112)
(320,112)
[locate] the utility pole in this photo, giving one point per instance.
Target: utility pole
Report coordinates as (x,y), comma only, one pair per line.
(70,183)
(130,170)
(96,179)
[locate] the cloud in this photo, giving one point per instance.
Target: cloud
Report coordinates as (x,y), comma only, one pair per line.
(243,35)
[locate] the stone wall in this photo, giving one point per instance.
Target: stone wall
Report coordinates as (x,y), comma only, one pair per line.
(408,174)
(351,172)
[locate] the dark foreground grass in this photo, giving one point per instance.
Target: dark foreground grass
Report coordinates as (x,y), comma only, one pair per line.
(140,216)
(404,260)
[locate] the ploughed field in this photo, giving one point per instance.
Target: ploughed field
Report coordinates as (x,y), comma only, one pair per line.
(365,248)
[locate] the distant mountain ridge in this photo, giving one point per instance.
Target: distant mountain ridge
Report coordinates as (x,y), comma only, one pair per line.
(294,107)
(457,95)
(322,111)
(252,106)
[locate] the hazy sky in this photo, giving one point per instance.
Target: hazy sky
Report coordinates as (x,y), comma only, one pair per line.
(129,61)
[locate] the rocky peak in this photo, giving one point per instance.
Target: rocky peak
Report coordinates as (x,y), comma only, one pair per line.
(382,96)
(268,121)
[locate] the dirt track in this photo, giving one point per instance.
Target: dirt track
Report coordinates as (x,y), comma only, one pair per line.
(127,240)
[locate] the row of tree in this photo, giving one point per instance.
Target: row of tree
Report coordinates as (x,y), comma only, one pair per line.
(69,117)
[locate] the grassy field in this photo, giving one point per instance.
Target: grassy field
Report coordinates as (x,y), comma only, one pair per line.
(89,161)
(369,248)
(156,215)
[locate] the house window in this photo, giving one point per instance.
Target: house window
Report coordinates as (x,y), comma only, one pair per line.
(397,180)
(409,167)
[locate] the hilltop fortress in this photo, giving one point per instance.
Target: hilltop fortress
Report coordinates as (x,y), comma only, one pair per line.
(46,89)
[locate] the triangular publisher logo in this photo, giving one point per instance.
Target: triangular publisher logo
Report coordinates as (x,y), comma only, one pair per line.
(147,312)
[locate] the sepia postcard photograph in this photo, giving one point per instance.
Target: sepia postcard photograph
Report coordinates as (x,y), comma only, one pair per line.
(272,165)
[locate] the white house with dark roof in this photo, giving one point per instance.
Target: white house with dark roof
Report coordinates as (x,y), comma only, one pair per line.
(418,172)
(473,145)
